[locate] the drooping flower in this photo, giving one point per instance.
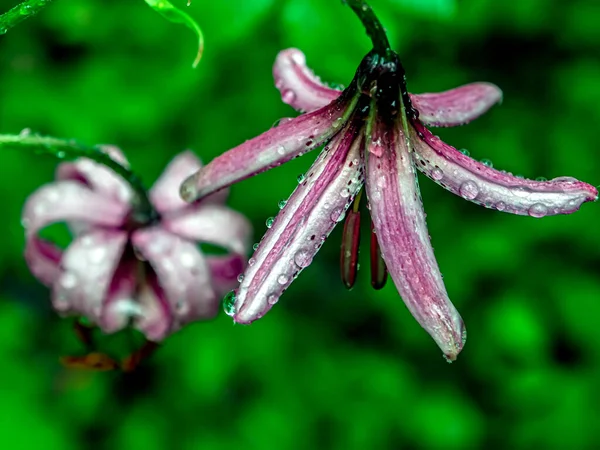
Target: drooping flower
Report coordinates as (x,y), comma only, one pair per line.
(120,269)
(374,134)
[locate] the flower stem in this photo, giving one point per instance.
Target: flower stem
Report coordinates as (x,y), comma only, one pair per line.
(19,13)
(70,150)
(374,28)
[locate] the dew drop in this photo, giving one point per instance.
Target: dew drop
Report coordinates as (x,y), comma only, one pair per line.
(25,132)
(541,179)
(280,150)
(251,262)
(96,255)
(537,210)
(468,190)
(302,258)
(465,152)
(187,260)
(500,206)
(337,122)
(240,277)
(283,279)
(345,192)
(487,162)
(229,303)
(565,179)
(437,174)
(282,204)
(337,215)
(272,299)
(269,222)
(255,246)
(301,178)
(68,281)
(288,96)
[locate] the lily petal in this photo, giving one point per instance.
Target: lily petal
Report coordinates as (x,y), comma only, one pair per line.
(165,191)
(98,177)
(312,211)
(143,302)
(299,86)
(457,106)
(225,271)
(399,222)
(182,272)
(272,148)
(63,201)
(88,266)
(213,224)
(483,185)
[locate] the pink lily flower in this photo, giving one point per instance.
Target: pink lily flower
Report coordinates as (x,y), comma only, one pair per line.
(375,135)
(120,269)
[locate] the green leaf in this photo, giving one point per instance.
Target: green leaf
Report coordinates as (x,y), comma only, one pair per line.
(173,14)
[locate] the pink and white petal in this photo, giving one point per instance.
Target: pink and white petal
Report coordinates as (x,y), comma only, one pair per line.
(212,224)
(155,319)
(43,259)
(225,271)
(164,194)
(98,177)
(492,188)
(182,271)
(63,201)
(399,222)
(120,305)
(272,148)
(87,269)
(457,106)
(299,86)
(313,210)
(66,201)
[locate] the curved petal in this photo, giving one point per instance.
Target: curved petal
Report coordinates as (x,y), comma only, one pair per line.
(63,201)
(164,194)
(98,177)
(457,106)
(399,222)
(225,271)
(299,86)
(87,269)
(483,185)
(134,294)
(313,210)
(212,224)
(182,272)
(272,148)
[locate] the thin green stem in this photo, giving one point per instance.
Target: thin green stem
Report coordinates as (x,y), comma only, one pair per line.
(19,13)
(71,150)
(371,23)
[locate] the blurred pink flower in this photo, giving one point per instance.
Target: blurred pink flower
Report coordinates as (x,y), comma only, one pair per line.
(374,134)
(118,269)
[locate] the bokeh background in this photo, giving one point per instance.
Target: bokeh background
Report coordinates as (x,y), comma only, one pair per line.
(326,368)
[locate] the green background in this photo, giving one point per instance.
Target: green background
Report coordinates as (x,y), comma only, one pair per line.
(326,368)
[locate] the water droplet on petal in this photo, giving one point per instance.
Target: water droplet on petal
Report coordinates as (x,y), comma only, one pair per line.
(251,262)
(269,222)
(468,190)
(302,258)
(541,179)
(465,152)
(437,174)
(280,150)
(337,215)
(345,192)
(240,277)
(255,246)
(96,255)
(300,178)
(272,299)
(68,281)
(187,259)
(337,122)
(288,96)
(565,179)
(500,206)
(538,210)
(229,303)
(282,204)
(283,279)
(487,162)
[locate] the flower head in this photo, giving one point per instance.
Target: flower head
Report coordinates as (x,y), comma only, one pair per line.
(374,135)
(120,268)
